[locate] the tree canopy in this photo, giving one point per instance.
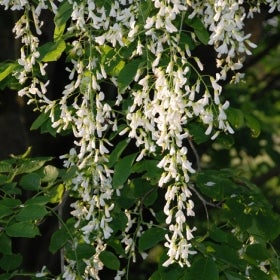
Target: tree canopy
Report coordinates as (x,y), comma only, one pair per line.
(164,118)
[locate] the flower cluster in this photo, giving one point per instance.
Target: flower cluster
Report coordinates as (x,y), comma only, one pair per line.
(226,20)
(168,91)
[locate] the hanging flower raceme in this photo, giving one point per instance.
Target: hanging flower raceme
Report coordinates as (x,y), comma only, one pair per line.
(144,51)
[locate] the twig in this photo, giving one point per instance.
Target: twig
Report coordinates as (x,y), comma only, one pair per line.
(195,154)
(60,213)
(204,201)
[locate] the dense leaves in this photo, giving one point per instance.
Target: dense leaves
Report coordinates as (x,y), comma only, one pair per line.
(145,110)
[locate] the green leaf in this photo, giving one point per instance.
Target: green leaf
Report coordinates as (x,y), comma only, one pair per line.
(117,246)
(236,213)
(145,9)
(218,235)
(3,179)
(225,140)
(6,69)
(10,262)
(234,276)
(116,153)
(6,165)
(84,251)
(151,197)
(110,260)
(226,254)
(111,60)
(63,13)
(127,197)
(257,252)
(235,117)
(11,189)
(5,244)
(186,41)
(52,51)
(257,274)
(197,130)
(199,29)
(140,186)
(47,128)
(128,72)
(37,200)
(22,229)
(58,32)
(269,225)
(5,211)
(42,118)
(204,268)
(58,240)
(31,182)
(253,124)
(149,169)
(10,202)
(6,276)
(30,165)
(214,185)
(119,221)
(151,237)
(123,170)
(56,193)
(170,273)
(68,174)
(31,212)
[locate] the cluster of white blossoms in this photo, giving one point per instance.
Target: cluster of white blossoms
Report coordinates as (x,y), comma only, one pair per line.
(225,20)
(168,91)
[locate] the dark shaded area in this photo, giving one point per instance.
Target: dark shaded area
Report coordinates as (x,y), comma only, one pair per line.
(16,119)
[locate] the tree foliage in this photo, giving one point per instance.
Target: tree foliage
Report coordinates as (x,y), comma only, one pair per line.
(153,176)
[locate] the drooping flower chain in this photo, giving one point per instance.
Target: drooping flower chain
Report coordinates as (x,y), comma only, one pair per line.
(164,101)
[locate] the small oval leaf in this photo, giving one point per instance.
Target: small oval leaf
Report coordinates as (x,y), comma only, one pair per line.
(150,238)
(110,260)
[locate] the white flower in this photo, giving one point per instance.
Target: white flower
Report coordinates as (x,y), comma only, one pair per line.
(149,22)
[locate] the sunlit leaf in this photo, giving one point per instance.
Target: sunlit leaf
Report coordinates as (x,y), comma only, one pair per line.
(63,13)
(56,193)
(6,68)
(52,51)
